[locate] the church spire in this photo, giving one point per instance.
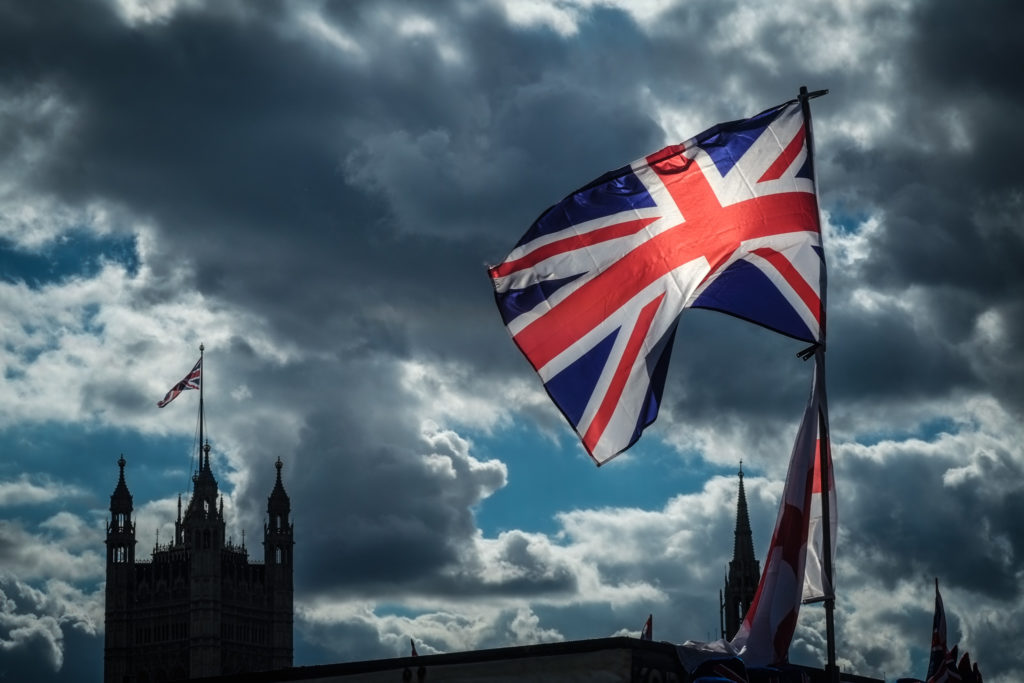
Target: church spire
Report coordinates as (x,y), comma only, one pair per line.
(744,569)
(743,541)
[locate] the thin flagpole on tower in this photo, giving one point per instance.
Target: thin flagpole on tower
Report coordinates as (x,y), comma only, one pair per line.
(202,383)
(824,453)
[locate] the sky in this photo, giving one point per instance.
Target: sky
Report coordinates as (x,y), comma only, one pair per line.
(314,190)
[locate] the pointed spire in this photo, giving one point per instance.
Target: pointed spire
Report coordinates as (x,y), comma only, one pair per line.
(122,497)
(744,569)
(278,486)
(743,545)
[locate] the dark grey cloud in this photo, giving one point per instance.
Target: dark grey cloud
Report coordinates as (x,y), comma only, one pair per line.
(348,201)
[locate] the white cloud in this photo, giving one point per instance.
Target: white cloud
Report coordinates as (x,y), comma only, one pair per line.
(34,489)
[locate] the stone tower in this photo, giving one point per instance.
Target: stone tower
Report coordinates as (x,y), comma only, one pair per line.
(120,592)
(744,570)
(277,552)
(198,606)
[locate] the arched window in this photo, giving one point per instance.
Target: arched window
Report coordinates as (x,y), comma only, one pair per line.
(206,538)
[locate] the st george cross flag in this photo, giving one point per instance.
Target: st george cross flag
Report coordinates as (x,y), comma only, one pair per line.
(817,583)
(592,292)
(193,380)
(793,570)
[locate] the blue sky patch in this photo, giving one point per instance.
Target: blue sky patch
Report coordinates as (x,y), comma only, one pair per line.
(545,478)
(76,254)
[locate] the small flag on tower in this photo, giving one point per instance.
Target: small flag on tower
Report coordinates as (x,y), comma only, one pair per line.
(647,632)
(193,380)
(939,650)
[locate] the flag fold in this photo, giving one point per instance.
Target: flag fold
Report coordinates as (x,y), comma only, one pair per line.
(592,292)
(794,570)
(193,380)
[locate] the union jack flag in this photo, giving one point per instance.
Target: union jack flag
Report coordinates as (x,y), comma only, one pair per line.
(647,632)
(593,291)
(939,652)
(193,380)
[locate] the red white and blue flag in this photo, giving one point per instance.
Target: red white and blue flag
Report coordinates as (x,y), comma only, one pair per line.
(193,380)
(939,653)
(593,291)
(647,632)
(795,569)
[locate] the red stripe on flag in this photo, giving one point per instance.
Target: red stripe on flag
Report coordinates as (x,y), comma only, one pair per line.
(780,165)
(714,232)
(794,278)
(817,467)
(568,244)
(618,383)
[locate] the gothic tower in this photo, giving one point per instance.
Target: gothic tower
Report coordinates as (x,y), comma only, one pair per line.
(120,597)
(744,570)
(203,532)
(198,606)
(278,540)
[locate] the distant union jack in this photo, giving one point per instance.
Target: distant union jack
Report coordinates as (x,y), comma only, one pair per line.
(592,293)
(193,380)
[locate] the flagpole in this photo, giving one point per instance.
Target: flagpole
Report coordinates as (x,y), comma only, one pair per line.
(824,454)
(202,383)
(824,460)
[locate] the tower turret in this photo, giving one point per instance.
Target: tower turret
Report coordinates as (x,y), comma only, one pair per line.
(120,590)
(121,529)
(278,539)
(744,569)
(203,531)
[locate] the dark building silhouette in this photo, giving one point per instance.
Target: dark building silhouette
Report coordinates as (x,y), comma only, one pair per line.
(199,606)
(609,660)
(744,571)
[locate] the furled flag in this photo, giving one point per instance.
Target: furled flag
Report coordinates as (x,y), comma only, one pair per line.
(793,570)
(817,583)
(592,292)
(939,651)
(412,644)
(193,380)
(946,671)
(647,632)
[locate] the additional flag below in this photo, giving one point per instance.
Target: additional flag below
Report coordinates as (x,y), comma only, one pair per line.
(964,668)
(592,292)
(817,583)
(939,650)
(946,671)
(764,636)
(647,632)
(193,380)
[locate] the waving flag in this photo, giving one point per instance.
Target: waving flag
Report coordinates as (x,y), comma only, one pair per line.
(647,632)
(817,583)
(794,570)
(939,651)
(193,380)
(592,292)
